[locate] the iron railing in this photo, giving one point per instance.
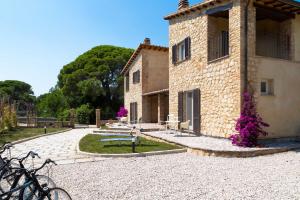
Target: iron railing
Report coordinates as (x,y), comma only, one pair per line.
(274,45)
(218,46)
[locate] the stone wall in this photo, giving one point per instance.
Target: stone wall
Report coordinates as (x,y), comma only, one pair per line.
(154,76)
(219,81)
(135,90)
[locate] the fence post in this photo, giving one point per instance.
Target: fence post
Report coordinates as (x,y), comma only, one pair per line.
(98,118)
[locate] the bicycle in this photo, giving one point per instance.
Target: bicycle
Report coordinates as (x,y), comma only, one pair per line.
(32,188)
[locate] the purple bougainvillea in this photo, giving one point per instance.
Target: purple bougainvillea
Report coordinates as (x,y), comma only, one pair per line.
(249,126)
(122,112)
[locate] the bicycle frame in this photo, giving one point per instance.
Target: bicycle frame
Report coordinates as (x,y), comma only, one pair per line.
(14,188)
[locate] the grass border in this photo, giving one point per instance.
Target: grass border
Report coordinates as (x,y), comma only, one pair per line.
(129,155)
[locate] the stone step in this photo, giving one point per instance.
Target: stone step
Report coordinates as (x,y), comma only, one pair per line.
(111,131)
(119,128)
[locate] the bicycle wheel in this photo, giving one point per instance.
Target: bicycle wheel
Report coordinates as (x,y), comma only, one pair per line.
(6,183)
(58,194)
(31,192)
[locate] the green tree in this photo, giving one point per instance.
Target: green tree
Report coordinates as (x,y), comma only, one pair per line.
(52,104)
(17,90)
(94,78)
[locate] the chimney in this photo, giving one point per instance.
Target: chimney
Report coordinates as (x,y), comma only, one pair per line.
(147,41)
(183,4)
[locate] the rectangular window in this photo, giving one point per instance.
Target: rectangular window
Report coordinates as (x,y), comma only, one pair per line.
(218,34)
(127,82)
(181,51)
(267,87)
(136,77)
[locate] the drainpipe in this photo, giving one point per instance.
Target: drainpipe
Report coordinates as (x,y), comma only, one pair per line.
(246,47)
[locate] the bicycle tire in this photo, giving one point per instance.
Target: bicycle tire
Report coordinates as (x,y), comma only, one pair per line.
(58,194)
(30,193)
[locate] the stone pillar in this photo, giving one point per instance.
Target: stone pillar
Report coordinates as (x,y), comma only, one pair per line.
(72,118)
(98,119)
(159,108)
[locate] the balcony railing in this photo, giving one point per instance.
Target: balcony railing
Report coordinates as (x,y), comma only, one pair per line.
(218,46)
(272,44)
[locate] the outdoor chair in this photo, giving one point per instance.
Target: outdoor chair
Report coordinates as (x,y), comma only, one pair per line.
(172,122)
(123,120)
(184,125)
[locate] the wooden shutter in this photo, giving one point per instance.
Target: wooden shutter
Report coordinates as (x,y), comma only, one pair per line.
(180,106)
(138,76)
(131,113)
(174,54)
(196,111)
(127,83)
(187,44)
(136,112)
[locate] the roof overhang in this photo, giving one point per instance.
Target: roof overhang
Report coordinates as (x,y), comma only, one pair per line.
(198,7)
(138,51)
(156,92)
(288,6)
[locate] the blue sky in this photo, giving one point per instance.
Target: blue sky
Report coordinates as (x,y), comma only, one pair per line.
(39,37)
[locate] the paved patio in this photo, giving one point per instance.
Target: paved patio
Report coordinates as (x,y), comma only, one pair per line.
(217,145)
(59,147)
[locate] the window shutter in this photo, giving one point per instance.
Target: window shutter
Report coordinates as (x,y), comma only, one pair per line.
(187,44)
(127,83)
(196,111)
(136,113)
(174,54)
(138,76)
(180,106)
(131,112)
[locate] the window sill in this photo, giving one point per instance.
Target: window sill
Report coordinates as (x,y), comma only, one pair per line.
(179,62)
(218,59)
(267,95)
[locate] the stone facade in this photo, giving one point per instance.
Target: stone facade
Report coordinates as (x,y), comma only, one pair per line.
(135,90)
(152,62)
(221,81)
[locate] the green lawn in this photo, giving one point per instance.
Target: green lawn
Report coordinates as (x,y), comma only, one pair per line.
(22,133)
(91,143)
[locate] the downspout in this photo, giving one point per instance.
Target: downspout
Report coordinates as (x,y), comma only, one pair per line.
(246,47)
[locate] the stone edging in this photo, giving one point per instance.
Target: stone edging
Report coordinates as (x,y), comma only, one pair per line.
(129,155)
(231,154)
(239,154)
(39,136)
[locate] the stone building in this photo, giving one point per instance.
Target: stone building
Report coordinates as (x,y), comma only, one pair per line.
(146,84)
(221,48)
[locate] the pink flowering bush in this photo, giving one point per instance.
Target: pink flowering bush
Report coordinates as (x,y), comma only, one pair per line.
(122,112)
(249,126)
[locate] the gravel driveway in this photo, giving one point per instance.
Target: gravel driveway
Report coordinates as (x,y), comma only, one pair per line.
(184,176)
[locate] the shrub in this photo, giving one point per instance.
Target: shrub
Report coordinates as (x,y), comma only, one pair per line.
(123,112)
(65,115)
(249,126)
(83,114)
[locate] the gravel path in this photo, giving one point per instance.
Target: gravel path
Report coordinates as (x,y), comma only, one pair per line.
(184,176)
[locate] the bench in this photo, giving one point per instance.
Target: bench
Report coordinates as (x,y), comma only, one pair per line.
(128,138)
